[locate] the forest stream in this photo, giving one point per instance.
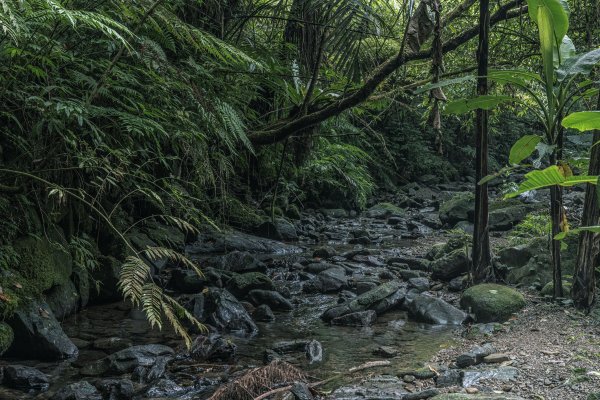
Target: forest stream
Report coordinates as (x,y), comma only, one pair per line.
(100,330)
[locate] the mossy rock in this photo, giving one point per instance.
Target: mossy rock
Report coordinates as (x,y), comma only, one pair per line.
(385,210)
(241,284)
(548,289)
(43,264)
(459,208)
(593,396)
(6,337)
(293,212)
(491,302)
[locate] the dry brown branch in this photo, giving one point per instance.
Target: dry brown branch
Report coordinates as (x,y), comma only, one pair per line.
(259,381)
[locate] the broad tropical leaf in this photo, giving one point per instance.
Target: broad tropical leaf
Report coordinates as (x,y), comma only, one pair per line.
(582,121)
(579,64)
(562,235)
(523,148)
(463,106)
(444,83)
(518,77)
(550,176)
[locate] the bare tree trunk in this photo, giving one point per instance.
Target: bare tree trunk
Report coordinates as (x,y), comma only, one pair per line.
(556,211)
(482,268)
(584,279)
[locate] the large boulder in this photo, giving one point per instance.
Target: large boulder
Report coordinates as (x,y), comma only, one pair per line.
(241,284)
(225,312)
(450,265)
(491,302)
(43,263)
(459,208)
(384,210)
(548,290)
(271,298)
(281,229)
(213,347)
(215,242)
(240,262)
(384,297)
(435,311)
(38,334)
(63,299)
(146,357)
(504,218)
(329,281)
(25,378)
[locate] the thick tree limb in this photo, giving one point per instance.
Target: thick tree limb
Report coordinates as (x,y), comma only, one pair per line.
(282,129)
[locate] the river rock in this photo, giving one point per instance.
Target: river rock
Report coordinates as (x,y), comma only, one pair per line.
(448,378)
(241,261)
(165,389)
(263,313)
(459,283)
(329,281)
(474,356)
(38,334)
(318,267)
(271,298)
(213,347)
(127,360)
(223,241)
(359,318)
(187,281)
(548,289)
(63,299)
(450,266)
(115,389)
(471,378)
(491,302)
(478,396)
(301,391)
(380,387)
(312,349)
(384,210)
(25,378)
(421,284)
(435,311)
(280,229)
(324,252)
(504,218)
(459,208)
(112,344)
(82,390)
(241,284)
(386,351)
(380,299)
(225,312)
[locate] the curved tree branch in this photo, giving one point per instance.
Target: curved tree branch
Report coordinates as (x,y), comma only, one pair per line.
(280,130)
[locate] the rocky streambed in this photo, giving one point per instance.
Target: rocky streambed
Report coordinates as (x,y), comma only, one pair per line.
(326,293)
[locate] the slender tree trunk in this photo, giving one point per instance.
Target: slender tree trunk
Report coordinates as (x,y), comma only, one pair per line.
(556,217)
(584,279)
(482,268)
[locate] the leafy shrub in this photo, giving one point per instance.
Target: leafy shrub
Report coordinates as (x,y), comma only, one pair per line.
(533,226)
(337,174)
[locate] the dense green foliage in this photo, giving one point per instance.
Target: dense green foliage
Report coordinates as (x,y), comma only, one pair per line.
(116,114)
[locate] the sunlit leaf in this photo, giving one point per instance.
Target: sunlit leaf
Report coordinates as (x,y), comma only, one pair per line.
(582,121)
(523,148)
(550,176)
(463,106)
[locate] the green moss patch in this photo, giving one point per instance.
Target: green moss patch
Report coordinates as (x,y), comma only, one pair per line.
(492,303)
